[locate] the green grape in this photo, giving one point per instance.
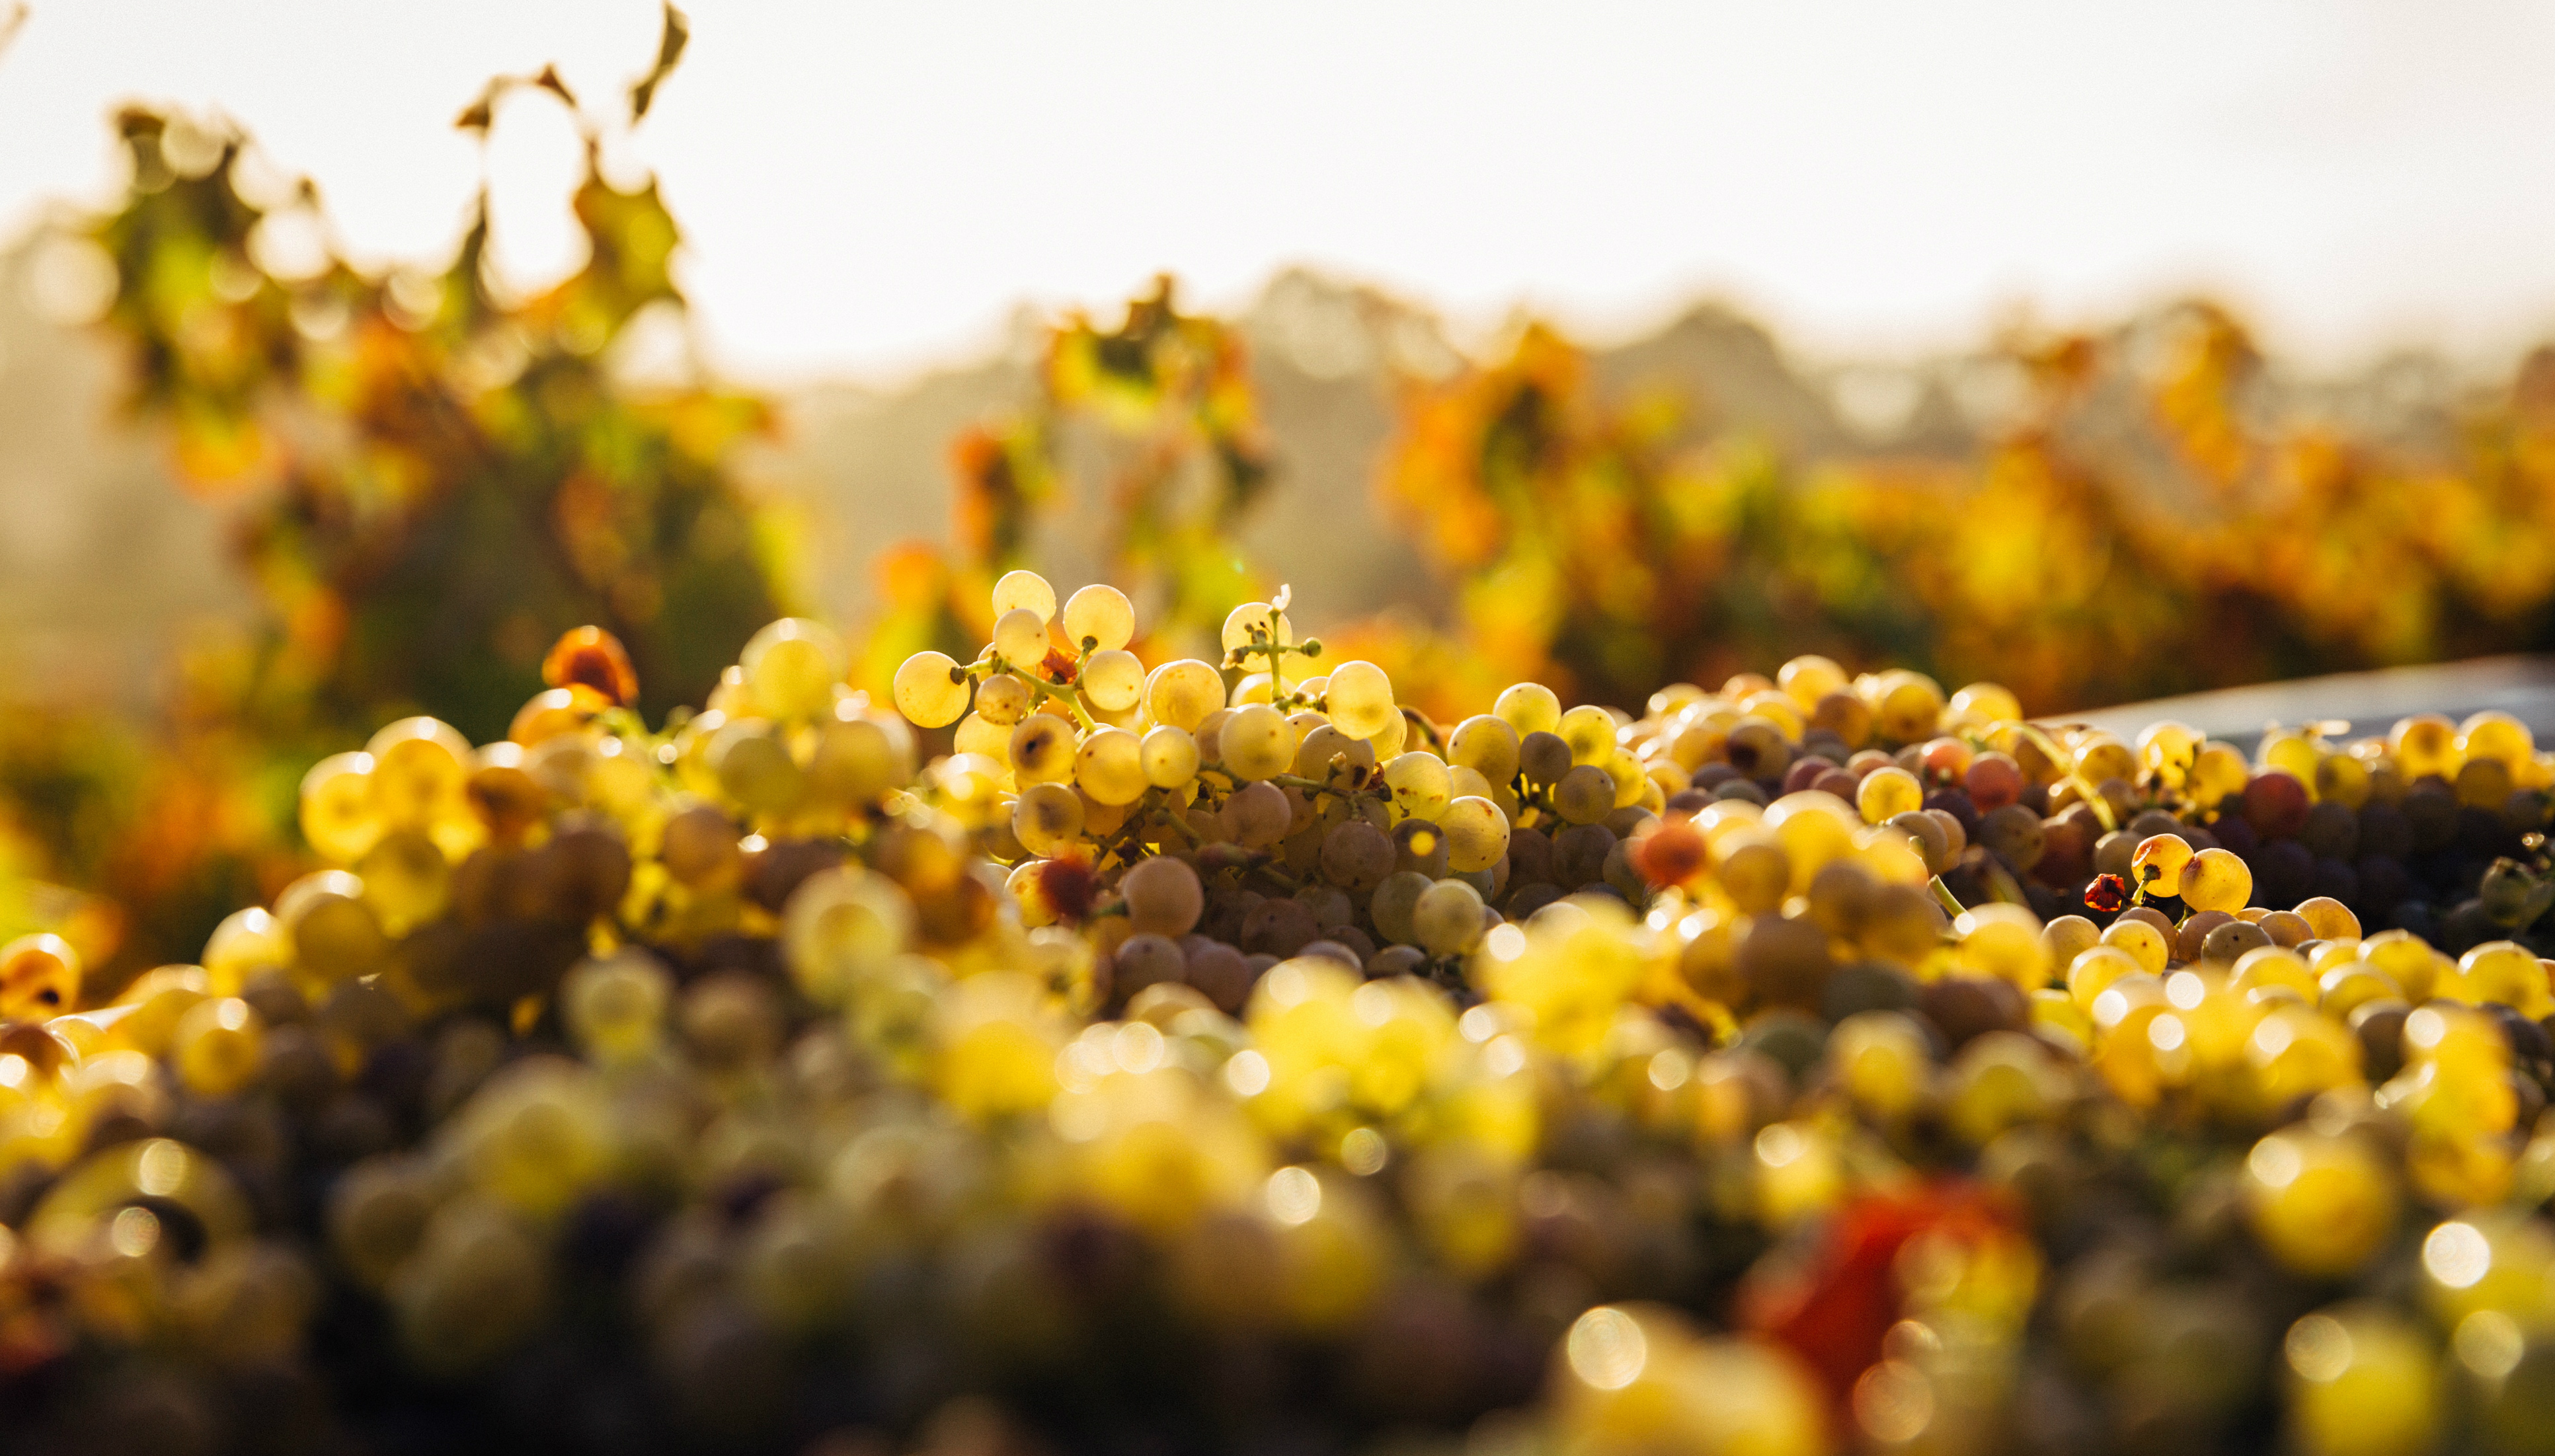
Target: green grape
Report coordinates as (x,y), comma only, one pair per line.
(1447,919)
(1110,766)
(1180,694)
(1359,698)
(1046,818)
(337,814)
(1020,639)
(1419,783)
(1396,902)
(1042,749)
(1528,707)
(1589,733)
(930,691)
(1257,743)
(1164,897)
(1028,589)
(615,1006)
(792,667)
(1256,617)
(1099,619)
(1114,681)
(1487,743)
(1585,795)
(1477,834)
(1003,700)
(1170,757)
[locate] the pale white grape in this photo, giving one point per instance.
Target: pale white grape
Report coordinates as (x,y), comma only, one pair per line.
(1003,700)
(1486,743)
(1170,757)
(1183,693)
(1099,618)
(1254,688)
(930,691)
(1528,707)
(1258,816)
(791,666)
(980,734)
(1388,743)
(1020,638)
(1324,746)
(1110,766)
(1046,818)
(1025,589)
(1041,750)
(1447,918)
(1585,795)
(1242,621)
(1420,785)
(1114,681)
(1257,743)
(1477,834)
(1590,732)
(1164,897)
(1360,698)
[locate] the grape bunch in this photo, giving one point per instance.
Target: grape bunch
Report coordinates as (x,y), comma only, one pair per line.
(1224,1056)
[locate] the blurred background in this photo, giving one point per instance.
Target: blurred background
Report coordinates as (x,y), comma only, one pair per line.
(2101,355)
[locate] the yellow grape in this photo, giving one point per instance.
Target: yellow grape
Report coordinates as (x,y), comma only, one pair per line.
(1420,784)
(1114,681)
(792,667)
(1046,818)
(339,816)
(1244,620)
(1589,731)
(1885,794)
(1110,766)
(1042,750)
(1528,707)
(930,691)
(1257,743)
(1020,639)
(1359,698)
(1808,678)
(1181,694)
(1027,589)
(2217,880)
(1099,618)
(1487,743)
(1477,834)
(1170,757)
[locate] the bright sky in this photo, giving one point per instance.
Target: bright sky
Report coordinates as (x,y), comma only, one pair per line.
(870,186)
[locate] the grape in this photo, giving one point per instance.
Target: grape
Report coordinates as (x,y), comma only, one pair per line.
(333,935)
(1025,589)
(40,976)
(1003,700)
(1359,698)
(1394,903)
(1114,681)
(1099,618)
(1447,918)
(1487,743)
(1042,750)
(1164,897)
(1256,815)
(1180,694)
(419,768)
(1543,758)
(1020,639)
(930,691)
(218,1047)
(1356,856)
(1256,742)
(859,760)
(2216,880)
(1808,678)
(1477,834)
(1110,766)
(616,1006)
(2158,863)
(1584,795)
(1256,617)
(792,667)
(1589,733)
(1886,793)
(1046,818)
(337,814)
(1420,784)
(1326,747)
(1528,707)
(1170,758)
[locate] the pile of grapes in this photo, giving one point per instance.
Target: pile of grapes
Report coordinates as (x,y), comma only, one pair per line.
(1224,1056)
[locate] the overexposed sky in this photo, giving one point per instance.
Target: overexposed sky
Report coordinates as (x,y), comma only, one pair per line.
(869,186)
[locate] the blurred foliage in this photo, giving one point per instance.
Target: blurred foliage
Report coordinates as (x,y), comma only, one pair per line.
(1152,428)
(429,479)
(2075,563)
